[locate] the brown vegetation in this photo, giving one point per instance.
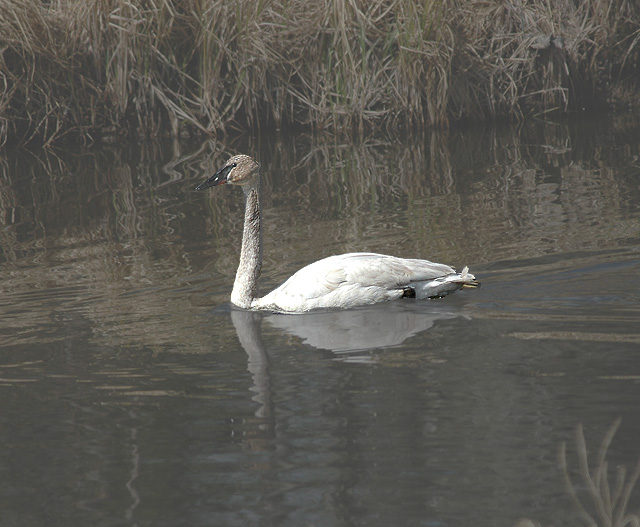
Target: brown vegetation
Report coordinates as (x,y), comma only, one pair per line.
(89,69)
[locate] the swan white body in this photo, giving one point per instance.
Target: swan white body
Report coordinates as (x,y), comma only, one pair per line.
(341,281)
(355,279)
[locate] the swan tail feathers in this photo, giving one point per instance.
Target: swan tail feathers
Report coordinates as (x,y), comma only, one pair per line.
(445,285)
(467,279)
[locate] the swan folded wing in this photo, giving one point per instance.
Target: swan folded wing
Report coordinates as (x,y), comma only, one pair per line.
(364,270)
(392,272)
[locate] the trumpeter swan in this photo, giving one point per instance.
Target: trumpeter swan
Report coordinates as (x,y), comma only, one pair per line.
(341,281)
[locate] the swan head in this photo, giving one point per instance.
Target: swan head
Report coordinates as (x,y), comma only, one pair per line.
(238,170)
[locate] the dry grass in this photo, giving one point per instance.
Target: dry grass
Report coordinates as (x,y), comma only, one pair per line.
(89,69)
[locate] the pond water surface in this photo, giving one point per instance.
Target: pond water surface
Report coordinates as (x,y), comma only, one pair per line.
(133,394)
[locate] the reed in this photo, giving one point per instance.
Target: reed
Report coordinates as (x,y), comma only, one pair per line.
(110,69)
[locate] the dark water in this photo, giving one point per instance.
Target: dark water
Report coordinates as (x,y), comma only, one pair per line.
(133,394)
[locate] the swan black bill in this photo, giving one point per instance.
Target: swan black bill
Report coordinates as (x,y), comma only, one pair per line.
(219,178)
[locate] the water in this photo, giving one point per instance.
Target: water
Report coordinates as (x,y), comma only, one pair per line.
(133,394)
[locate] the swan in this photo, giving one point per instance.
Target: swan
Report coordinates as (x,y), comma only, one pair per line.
(340,281)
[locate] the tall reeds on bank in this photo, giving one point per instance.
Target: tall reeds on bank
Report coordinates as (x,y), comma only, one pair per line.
(103,69)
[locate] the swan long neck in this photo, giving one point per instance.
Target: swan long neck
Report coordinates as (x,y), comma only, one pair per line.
(245,287)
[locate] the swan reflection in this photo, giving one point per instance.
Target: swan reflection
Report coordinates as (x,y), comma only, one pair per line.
(342,332)
(248,328)
(350,334)
(360,329)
